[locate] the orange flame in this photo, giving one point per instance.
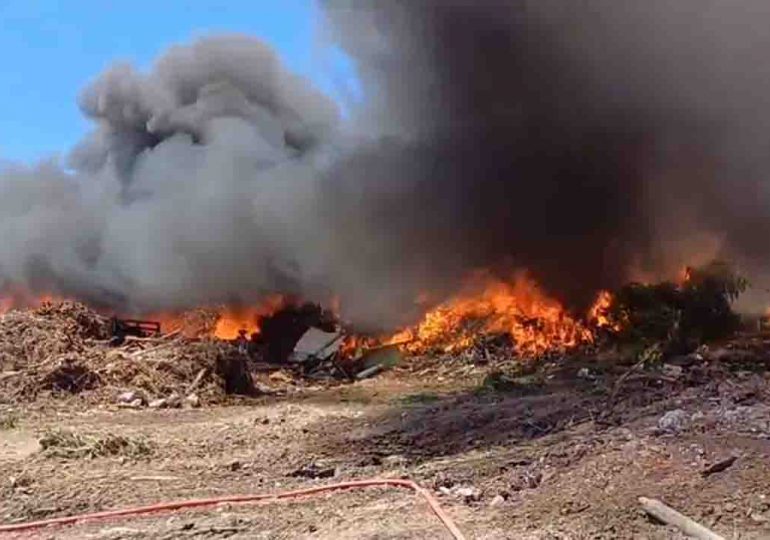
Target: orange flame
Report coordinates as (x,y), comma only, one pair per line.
(19,297)
(232,320)
(599,315)
(224,322)
(536,323)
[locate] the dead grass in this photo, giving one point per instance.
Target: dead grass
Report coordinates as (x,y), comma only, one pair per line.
(70,445)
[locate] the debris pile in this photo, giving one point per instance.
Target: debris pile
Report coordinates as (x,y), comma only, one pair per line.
(64,348)
(50,348)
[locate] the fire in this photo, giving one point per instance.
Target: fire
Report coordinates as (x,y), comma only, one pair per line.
(536,323)
(17,297)
(599,312)
(223,322)
(233,320)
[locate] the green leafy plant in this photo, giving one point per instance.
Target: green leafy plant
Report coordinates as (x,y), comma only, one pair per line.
(679,315)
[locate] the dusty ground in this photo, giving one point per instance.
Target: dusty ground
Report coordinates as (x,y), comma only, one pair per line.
(560,453)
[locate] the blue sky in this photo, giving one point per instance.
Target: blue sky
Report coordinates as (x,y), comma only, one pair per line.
(51,49)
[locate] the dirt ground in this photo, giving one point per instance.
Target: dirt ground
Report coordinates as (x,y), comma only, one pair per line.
(563,451)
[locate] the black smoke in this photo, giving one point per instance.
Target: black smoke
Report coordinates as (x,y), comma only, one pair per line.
(589,142)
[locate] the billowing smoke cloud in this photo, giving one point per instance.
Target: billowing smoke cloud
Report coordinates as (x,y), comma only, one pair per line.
(586,142)
(185,194)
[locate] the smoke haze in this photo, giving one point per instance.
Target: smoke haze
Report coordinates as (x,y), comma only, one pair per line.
(588,142)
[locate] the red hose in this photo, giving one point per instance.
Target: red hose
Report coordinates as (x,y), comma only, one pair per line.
(197,503)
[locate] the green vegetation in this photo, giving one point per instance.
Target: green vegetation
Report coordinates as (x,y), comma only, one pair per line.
(679,316)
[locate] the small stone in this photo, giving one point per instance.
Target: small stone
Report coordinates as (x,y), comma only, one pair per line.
(497,500)
(469,494)
(758,518)
(584,373)
(729,507)
(674,421)
(445,490)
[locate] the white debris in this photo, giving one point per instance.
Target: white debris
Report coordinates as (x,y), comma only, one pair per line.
(674,421)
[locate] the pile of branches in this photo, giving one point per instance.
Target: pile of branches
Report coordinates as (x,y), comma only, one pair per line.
(175,365)
(681,316)
(63,349)
(48,348)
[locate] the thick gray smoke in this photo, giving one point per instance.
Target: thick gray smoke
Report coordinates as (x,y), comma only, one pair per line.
(188,192)
(586,141)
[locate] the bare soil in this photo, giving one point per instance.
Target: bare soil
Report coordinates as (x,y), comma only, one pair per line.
(563,451)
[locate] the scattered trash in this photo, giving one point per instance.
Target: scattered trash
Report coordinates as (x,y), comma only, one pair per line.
(317,344)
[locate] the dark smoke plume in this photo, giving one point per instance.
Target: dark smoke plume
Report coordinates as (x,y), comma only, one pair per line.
(588,142)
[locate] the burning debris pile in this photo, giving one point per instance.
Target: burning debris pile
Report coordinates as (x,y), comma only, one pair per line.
(516,310)
(516,320)
(68,348)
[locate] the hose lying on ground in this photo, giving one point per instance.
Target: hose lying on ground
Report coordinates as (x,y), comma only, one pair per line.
(198,503)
